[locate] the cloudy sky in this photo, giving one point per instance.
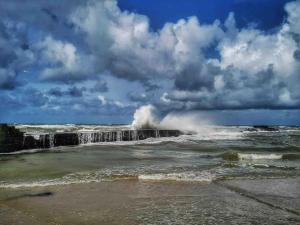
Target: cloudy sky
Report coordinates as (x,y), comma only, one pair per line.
(97,61)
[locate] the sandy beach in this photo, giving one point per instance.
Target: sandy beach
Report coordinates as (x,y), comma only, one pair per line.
(268,201)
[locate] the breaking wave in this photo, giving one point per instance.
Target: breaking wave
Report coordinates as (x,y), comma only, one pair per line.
(253,156)
(73,178)
(179,174)
(110,175)
(233,156)
(185,176)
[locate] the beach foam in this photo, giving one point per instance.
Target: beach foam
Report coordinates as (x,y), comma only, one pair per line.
(234,156)
(73,178)
(186,177)
(116,174)
(252,156)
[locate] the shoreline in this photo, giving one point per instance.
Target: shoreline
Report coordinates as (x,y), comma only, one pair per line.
(271,201)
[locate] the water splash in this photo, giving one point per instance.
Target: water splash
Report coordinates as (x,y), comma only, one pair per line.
(146,117)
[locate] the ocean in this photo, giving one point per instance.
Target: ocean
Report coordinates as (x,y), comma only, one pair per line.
(216,154)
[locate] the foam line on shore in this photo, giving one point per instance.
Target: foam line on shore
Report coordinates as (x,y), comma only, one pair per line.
(185,177)
(107,175)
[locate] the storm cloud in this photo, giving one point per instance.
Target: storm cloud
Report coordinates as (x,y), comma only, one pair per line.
(77,51)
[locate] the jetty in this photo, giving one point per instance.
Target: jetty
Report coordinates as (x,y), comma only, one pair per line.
(12,139)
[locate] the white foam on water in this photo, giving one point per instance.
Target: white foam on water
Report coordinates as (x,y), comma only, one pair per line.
(186,138)
(113,175)
(203,176)
(68,128)
(45,183)
(45,126)
(252,156)
(24,152)
(73,178)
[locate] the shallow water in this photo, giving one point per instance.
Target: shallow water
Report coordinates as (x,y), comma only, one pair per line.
(216,153)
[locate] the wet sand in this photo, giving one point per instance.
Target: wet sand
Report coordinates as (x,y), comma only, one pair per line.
(269,201)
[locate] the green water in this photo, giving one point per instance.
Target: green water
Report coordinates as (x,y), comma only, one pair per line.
(225,154)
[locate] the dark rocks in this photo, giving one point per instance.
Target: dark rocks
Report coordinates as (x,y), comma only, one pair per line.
(32,141)
(65,139)
(265,128)
(11,139)
(169,133)
(262,128)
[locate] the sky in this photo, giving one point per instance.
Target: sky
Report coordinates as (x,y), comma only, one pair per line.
(97,61)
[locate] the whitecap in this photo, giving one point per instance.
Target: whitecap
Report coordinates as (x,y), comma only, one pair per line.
(203,176)
(252,156)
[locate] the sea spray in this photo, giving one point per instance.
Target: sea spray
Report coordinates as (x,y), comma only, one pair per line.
(190,122)
(146,117)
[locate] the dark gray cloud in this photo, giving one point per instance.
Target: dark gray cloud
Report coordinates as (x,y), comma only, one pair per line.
(75,91)
(15,55)
(196,77)
(34,97)
(56,101)
(56,92)
(48,16)
(297,54)
(100,86)
(7,79)
(95,105)
(10,102)
(138,97)
(235,89)
(72,91)
(25,98)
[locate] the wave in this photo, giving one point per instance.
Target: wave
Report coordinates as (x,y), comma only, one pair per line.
(281,167)
(68,128)
(203,176)
(73,178)
(190,138)
(235,156)
(29,151)
(153,175)
(252,156)
(108,175)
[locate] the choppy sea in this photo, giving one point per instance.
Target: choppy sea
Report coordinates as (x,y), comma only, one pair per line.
(213,153)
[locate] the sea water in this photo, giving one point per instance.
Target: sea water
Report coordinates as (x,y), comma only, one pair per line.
(219,152)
